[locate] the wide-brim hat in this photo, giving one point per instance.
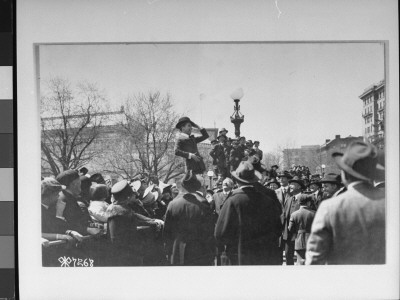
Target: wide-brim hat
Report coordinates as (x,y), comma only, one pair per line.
(163,186)
(245,173)
(298,181)
(149,197)
(222,130)
(184,120)
(359,160)
(331,178)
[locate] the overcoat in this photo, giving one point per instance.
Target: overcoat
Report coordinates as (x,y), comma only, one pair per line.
(300,226)
(188,231)
(235,158)
(218,153)
(78,217)
(188,144)
(349,228)
(282,198)
(247,226)
(124,244)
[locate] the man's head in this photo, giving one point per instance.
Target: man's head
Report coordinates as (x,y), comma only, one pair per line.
(192,182)
(284,179)
(295,186)
(122,192)
(315,186)
(83,171)
(50,191)
(222,139)
(185,125)
(71,180)
(330,183)
(223,131)
(242,140)
(235,144)
(256,144)
(227,184)
(359,162)
(245,174)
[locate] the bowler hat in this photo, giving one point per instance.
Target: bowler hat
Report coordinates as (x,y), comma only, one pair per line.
(331,178)
(359,160)
(255,142)
(66,177)
(50,184)
(184,120)
(298,181)
(275,166)
(190,182)
(245,173)
(223,130)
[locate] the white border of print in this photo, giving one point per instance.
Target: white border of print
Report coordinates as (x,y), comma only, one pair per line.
(46,21)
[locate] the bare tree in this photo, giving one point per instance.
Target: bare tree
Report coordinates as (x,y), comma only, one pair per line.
(287,153)
(70,123)
(272,158)
(149,144)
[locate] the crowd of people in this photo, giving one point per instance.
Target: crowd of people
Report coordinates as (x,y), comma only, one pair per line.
(253,216)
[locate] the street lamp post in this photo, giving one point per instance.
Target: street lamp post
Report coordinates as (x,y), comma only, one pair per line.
(237,118)
(210,175)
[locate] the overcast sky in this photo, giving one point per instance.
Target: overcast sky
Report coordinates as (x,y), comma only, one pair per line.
(294,93)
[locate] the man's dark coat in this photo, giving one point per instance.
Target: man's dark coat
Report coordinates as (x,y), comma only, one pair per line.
(188,231)
(247,225)
(185,145)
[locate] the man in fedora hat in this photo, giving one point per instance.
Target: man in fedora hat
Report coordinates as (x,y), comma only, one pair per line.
(218,155)
(257,149)
(291,204)
(189,225)
(186,145)
(235,156)
(331,186)
(350,228)
(248,223)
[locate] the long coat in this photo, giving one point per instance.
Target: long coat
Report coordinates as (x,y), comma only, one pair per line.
(235,157)
(78,217)
(300,226)
(188,231)
(349,228)
(282,198)
(188,144)
(218,154)
(247,226)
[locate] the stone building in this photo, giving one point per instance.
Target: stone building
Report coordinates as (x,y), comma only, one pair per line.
(373,113)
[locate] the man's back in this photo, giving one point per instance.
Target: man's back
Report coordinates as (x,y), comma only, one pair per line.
(247,225)
(350,228)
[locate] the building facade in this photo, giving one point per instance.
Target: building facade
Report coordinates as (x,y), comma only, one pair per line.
(373,113)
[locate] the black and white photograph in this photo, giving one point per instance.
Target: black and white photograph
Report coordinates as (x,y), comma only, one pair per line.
(202,155)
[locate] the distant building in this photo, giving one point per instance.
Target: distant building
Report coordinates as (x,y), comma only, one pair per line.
(318,158)
(336,145)
(304,156)
(373,113)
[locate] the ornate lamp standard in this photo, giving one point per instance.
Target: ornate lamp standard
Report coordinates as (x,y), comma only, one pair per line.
(237,118)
